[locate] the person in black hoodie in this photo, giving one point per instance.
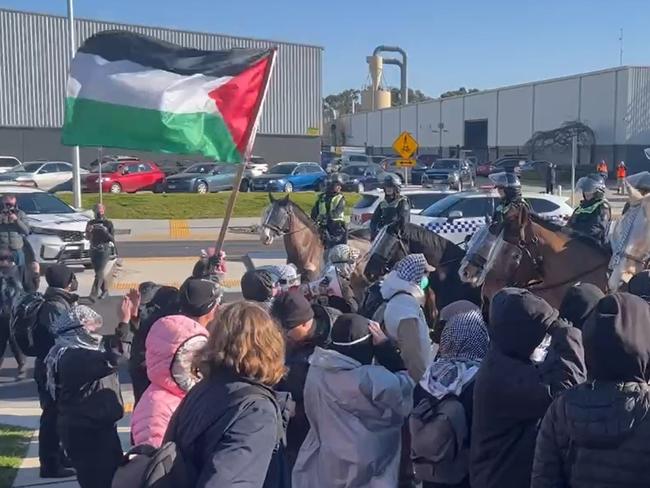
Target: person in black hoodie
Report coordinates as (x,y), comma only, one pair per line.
(82,378)
(511,393)
(579,302)
(305,326)
(229,425)
(165,302)
(597,434)
(639,285)
(59,299)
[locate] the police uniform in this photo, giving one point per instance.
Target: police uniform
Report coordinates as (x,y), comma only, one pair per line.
(329,214)
(592,218)
(397,210)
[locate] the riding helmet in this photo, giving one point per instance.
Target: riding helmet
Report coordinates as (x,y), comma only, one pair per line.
(333,180)
(391,182)
(505,179)
(591,185)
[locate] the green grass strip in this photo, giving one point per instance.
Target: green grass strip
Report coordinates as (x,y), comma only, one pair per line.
(13,447)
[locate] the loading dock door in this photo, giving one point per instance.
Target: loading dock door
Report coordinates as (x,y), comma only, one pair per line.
(476,134)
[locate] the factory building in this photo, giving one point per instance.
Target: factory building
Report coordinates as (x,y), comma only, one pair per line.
(614,104)
(35,54)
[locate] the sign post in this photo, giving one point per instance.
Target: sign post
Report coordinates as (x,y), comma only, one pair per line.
(405,145)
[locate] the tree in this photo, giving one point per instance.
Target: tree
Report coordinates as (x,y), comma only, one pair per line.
(415,96)
(561,139)
(461,91)
(341,102)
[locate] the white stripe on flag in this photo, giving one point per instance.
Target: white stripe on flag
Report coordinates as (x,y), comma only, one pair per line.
(127,83)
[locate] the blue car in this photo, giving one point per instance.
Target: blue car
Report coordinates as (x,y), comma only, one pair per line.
(288,177)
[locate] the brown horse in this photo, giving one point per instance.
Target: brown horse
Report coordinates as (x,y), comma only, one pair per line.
(302,241)
(540,256)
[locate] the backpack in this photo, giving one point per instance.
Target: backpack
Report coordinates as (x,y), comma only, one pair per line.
(25,323)
(439,440)
(10,291)
(378,314)
(145,466)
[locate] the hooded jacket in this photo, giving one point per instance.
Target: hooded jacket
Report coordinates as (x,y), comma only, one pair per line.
(511,394)
(406,324)
(356,413)
(579,302)
(170,346)
(596,435)
(57,302)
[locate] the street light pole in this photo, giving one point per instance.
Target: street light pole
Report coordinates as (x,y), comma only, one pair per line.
(76,171)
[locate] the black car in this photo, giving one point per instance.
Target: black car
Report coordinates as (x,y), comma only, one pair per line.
(450,173)
(361,177)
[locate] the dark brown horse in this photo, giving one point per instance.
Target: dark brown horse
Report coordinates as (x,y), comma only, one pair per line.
(540,256)
(394,242)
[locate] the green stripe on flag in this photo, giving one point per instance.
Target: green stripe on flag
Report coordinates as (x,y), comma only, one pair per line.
(93,123)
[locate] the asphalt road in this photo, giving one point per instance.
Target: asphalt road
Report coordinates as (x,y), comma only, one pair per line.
(234,249)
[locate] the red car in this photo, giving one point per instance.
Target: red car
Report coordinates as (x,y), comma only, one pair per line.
(126,176)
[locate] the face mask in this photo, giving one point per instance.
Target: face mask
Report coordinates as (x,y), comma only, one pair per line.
(424,282)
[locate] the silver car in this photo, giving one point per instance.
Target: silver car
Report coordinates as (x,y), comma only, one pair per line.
(40,174)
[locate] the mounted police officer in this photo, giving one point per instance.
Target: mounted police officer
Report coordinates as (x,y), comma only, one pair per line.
(593,215)
(393,208)
(509,187)
(329,213)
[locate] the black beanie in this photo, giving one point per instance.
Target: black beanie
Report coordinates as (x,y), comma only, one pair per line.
(350,336)
(198,297)
(58,275)
(639,285)
(257,285)
(291,309)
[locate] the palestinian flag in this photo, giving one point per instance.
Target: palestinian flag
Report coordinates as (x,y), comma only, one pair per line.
(126,90)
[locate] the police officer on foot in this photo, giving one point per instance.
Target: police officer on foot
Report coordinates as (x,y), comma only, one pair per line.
(329,213)
(101,234)
(509,187)
(393,208)
(593,215)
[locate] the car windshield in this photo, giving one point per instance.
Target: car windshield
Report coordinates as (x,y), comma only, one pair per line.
(27,168)
(283,169)
(200,168)
(446,164)
(108,167)
(42,203)
(354,170)
(366,201)
(440,206)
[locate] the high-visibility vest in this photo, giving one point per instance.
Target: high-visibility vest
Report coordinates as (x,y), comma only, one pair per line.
(601,168)
(621,172)
(590,209)
(322,209)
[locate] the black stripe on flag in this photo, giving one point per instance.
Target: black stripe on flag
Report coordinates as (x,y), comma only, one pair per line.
(118,45)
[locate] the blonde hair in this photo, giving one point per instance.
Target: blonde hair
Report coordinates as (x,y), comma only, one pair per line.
(244,339)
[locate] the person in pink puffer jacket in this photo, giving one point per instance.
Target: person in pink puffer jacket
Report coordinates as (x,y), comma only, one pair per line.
(170,348)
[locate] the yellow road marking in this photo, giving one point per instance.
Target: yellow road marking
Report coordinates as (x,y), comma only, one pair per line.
(179,229)
(126,285)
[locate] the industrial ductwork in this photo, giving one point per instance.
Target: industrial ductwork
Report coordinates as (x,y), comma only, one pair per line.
(402,66)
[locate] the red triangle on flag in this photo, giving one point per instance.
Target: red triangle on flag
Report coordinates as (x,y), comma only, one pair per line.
(239,99)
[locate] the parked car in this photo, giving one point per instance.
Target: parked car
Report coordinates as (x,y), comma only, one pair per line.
(41,174)
(58,230)
(257,166)
(369,201)
(126,176)
(506,163)
(203,178)
(288,177)
(459,215)
(449,173)
(335,165)
(360,177)
(8,162)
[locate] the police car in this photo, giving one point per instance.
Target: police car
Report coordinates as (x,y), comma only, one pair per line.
(419,198)
(459,215)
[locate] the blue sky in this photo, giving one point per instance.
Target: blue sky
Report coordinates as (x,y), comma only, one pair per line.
(451,43)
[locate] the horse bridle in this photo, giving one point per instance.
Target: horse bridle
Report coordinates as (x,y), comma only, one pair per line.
(281,232)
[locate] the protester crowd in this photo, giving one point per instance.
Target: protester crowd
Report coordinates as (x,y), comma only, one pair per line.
(292,387)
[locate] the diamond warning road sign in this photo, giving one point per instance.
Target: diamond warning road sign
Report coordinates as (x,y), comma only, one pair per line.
(405,145)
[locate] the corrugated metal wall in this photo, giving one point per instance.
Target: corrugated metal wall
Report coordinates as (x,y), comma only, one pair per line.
(34,61)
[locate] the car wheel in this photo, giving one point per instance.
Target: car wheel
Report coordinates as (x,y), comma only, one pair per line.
(360,188)
(288,187)
(116,188)
(244,186)
(202,187)
(158,188)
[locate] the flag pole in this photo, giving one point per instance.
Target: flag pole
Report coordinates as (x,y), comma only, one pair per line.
(247,154)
